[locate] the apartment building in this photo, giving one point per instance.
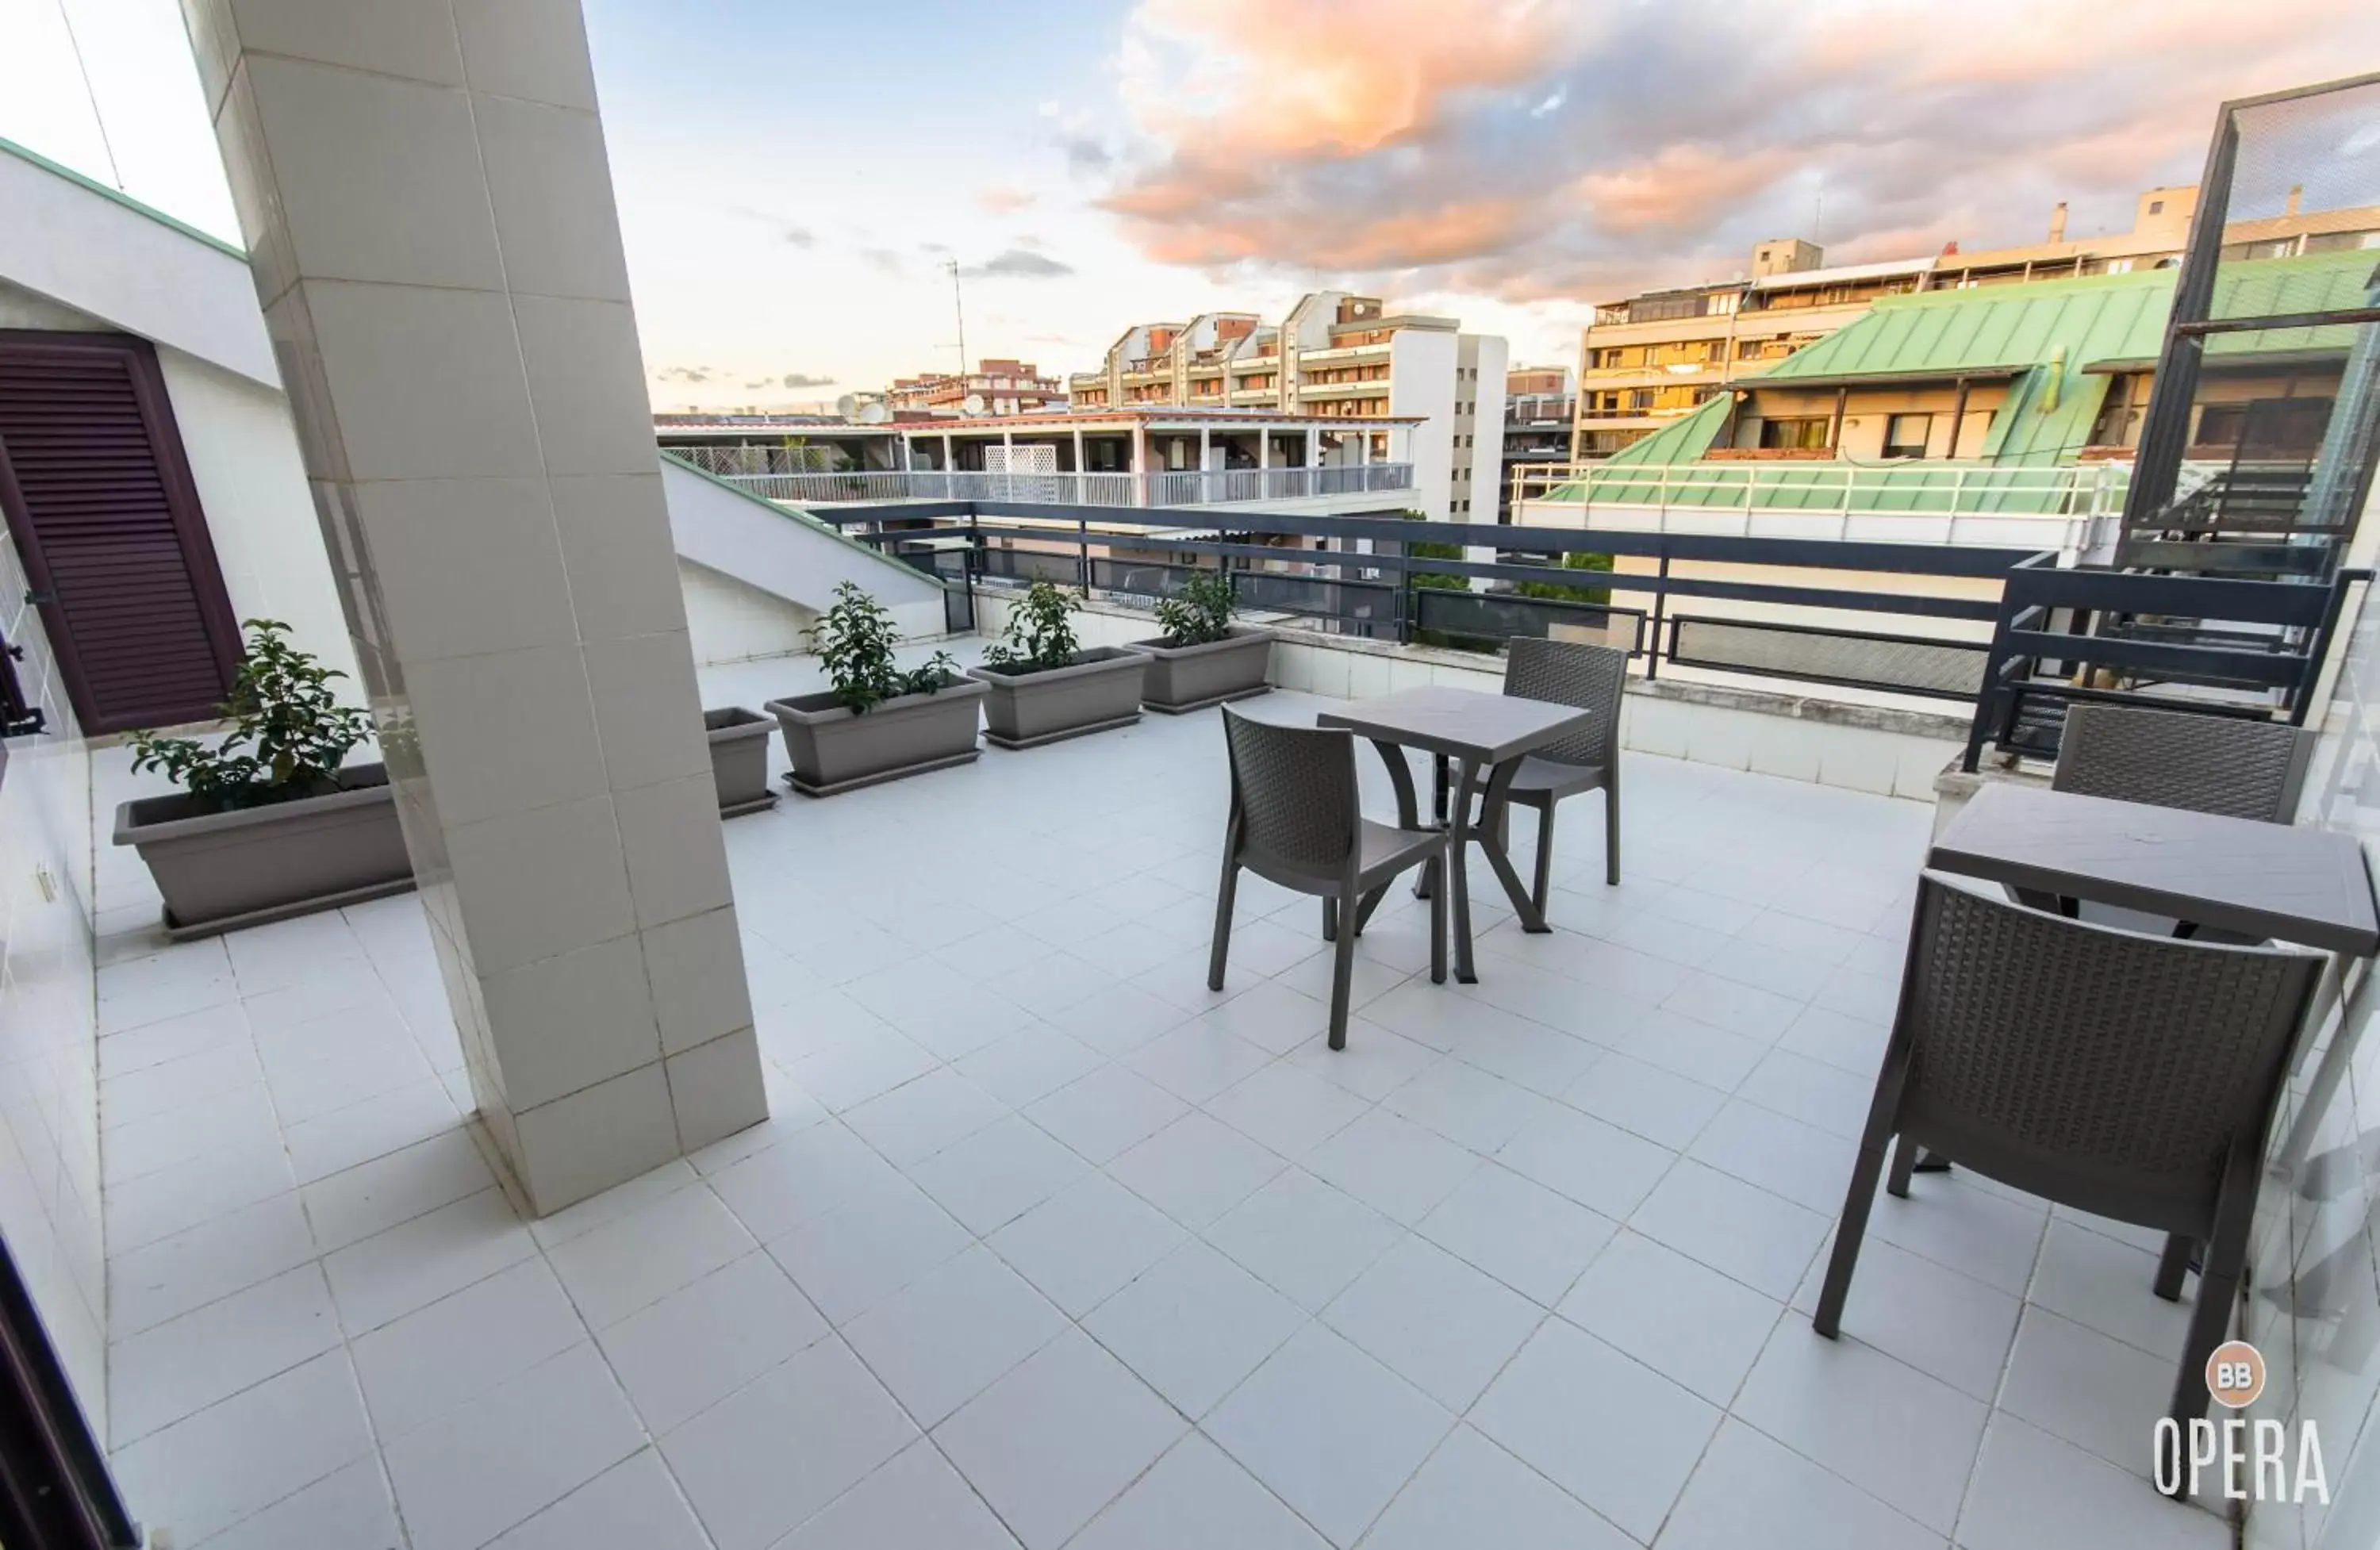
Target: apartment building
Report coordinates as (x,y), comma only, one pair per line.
(996,386)
(1650,359)
(1334,355)
(1540,404)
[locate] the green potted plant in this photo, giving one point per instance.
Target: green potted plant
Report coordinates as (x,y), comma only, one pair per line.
(1201,660)
(877,722)
(271,821)
(1043,686)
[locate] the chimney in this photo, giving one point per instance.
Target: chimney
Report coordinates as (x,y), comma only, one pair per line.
(2297,198)
(2057,221)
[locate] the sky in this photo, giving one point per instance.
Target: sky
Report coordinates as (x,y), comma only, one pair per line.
(795,180)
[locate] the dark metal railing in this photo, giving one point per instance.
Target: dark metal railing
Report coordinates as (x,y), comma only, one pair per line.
(2219,645)
(1357,575)
(2223,645)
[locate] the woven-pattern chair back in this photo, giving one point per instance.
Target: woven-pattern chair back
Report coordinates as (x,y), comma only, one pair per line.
(2137,1059)
(1565,672)
(1295,787)
(2174,758)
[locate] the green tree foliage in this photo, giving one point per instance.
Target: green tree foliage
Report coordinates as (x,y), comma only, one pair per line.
(1564,593)
(1040,633)
(290,733)
(854,640)
(1202,613)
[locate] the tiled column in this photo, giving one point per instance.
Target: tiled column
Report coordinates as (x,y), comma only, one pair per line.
(423,188)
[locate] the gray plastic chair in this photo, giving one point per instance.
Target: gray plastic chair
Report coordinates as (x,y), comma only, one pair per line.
(2128,1075)
(2179,758)
(1592,678)
(1297,820)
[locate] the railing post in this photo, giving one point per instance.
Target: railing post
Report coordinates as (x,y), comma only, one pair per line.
(1083,553)
(1660,610)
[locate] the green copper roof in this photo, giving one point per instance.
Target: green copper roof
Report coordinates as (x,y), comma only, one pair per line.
(2041,337)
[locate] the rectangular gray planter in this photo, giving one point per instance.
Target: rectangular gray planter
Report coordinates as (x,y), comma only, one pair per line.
(1193,677)
(834,750)
(220,871)
(739,760)
(1101,689)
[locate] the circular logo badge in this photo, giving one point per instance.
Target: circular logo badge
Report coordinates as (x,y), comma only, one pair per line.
(2235,1374)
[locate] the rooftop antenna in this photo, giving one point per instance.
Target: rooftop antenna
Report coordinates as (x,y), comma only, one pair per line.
(958,307)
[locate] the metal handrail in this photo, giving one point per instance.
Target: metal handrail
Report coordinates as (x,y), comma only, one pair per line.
(1916,486)
(1184,487)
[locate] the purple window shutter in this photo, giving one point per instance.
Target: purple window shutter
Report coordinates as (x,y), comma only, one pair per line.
(96,489)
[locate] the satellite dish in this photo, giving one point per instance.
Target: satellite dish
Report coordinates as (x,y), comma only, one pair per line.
(974,404)
(847,406)
(874,413)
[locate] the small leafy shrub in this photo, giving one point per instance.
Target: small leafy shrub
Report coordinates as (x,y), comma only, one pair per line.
(1561,592)
(290,733)
(1040,633)
(1203,612)
(854,640)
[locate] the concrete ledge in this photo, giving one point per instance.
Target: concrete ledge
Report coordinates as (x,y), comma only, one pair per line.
(1795,733)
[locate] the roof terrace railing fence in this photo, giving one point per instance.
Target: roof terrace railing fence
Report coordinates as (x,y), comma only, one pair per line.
(2073,508)
(2220,645)
(1158,487)
(1358,576)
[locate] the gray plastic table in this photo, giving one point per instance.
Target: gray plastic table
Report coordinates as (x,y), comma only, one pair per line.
(2286,882)
(1477,731)
(2292,884)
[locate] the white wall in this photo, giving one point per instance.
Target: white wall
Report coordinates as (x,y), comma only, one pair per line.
(1486,427)
(1421,381)
(785,554)
(49,1089)
(734,621)
(92,250)
(244,459)
(243,455)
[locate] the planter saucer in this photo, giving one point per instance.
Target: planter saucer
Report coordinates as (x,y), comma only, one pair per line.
(1189,706)
(834,788)
(1061,736)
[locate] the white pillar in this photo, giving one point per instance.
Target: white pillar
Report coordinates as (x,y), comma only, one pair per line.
(948,465)
(1205,452)
(1264,449)
(429,216)
(1313,445)
(1078,450)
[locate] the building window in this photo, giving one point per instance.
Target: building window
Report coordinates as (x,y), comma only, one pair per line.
(2156,207)
(1794,435)
(2219,425)
(1640,398)
(1905,435)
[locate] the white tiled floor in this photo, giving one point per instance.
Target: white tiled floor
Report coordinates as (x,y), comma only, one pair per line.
(1047,1245)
